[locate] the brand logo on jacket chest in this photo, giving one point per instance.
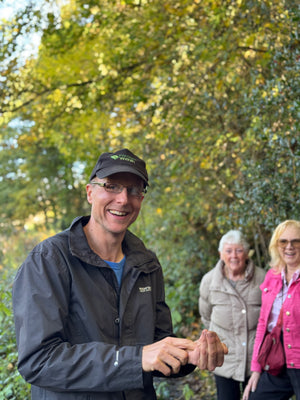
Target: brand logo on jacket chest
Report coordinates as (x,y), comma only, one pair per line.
(145,289)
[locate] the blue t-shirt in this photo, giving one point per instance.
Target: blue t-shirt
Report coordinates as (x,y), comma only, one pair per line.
(118,268)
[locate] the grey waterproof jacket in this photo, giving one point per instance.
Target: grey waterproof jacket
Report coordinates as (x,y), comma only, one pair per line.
(79,336)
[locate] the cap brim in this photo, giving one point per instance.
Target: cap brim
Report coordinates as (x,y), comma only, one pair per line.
(104,172)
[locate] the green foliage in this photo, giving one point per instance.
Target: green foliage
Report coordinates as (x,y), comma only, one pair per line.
(197,385)
(187,392)
(162,390)
(206,91)
(13,251)
(12,384)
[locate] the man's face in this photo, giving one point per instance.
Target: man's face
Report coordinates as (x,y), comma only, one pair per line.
(115,212)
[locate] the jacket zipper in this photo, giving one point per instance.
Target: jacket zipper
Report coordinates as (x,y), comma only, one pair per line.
(116,363)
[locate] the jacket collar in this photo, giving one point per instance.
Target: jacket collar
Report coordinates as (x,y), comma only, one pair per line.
(249,272)
(137,256)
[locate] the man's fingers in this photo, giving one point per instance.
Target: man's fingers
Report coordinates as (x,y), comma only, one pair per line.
(167,364)
(178,348)
(167,355)
(225,348)
(203,350)
(211,349)
(185,344)
(215,351)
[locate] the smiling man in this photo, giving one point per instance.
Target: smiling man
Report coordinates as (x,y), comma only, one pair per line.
(89,304)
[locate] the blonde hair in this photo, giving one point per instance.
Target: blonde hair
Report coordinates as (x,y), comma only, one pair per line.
(276,261)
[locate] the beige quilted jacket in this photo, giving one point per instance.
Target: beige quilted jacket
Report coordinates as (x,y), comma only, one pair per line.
(232,312)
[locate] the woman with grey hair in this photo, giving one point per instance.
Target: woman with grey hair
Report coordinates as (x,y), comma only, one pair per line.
(229,304)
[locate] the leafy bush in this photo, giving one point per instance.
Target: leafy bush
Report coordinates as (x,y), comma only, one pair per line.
(13,252)
(13,387)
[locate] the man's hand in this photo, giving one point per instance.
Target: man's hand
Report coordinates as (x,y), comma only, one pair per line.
(209,352)
(167,355)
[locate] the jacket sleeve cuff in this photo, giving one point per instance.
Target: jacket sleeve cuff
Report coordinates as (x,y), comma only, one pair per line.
(256,367)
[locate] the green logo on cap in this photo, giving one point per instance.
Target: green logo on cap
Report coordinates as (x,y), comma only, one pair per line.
(124,158)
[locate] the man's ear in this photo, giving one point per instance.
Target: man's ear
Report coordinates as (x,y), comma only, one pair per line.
(89,191)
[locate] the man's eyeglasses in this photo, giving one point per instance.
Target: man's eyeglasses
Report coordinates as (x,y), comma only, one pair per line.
(284,242)
(134,191)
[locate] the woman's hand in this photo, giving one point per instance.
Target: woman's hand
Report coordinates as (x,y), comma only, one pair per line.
(252,385)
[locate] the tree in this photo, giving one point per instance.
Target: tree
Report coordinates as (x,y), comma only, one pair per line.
(207,92)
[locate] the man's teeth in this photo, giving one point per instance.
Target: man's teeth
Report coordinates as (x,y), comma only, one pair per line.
(119,213)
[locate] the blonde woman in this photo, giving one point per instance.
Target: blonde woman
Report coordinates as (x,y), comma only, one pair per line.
(281,288)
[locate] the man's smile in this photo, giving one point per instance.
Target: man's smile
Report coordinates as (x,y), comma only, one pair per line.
(118,213)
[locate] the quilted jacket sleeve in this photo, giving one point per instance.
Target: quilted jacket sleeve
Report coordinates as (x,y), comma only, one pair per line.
(205,307)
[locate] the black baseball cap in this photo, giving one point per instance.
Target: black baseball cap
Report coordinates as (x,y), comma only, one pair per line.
(120,161)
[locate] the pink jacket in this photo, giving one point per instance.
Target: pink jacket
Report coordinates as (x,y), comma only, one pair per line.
(291,319)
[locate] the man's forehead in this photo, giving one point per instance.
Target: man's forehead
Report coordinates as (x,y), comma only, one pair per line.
(124,176)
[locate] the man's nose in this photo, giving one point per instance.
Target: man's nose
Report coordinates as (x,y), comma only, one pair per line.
(123,195)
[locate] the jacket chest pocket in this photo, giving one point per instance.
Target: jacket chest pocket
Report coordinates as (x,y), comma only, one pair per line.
(218,297)
(222,309)
(138,318)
